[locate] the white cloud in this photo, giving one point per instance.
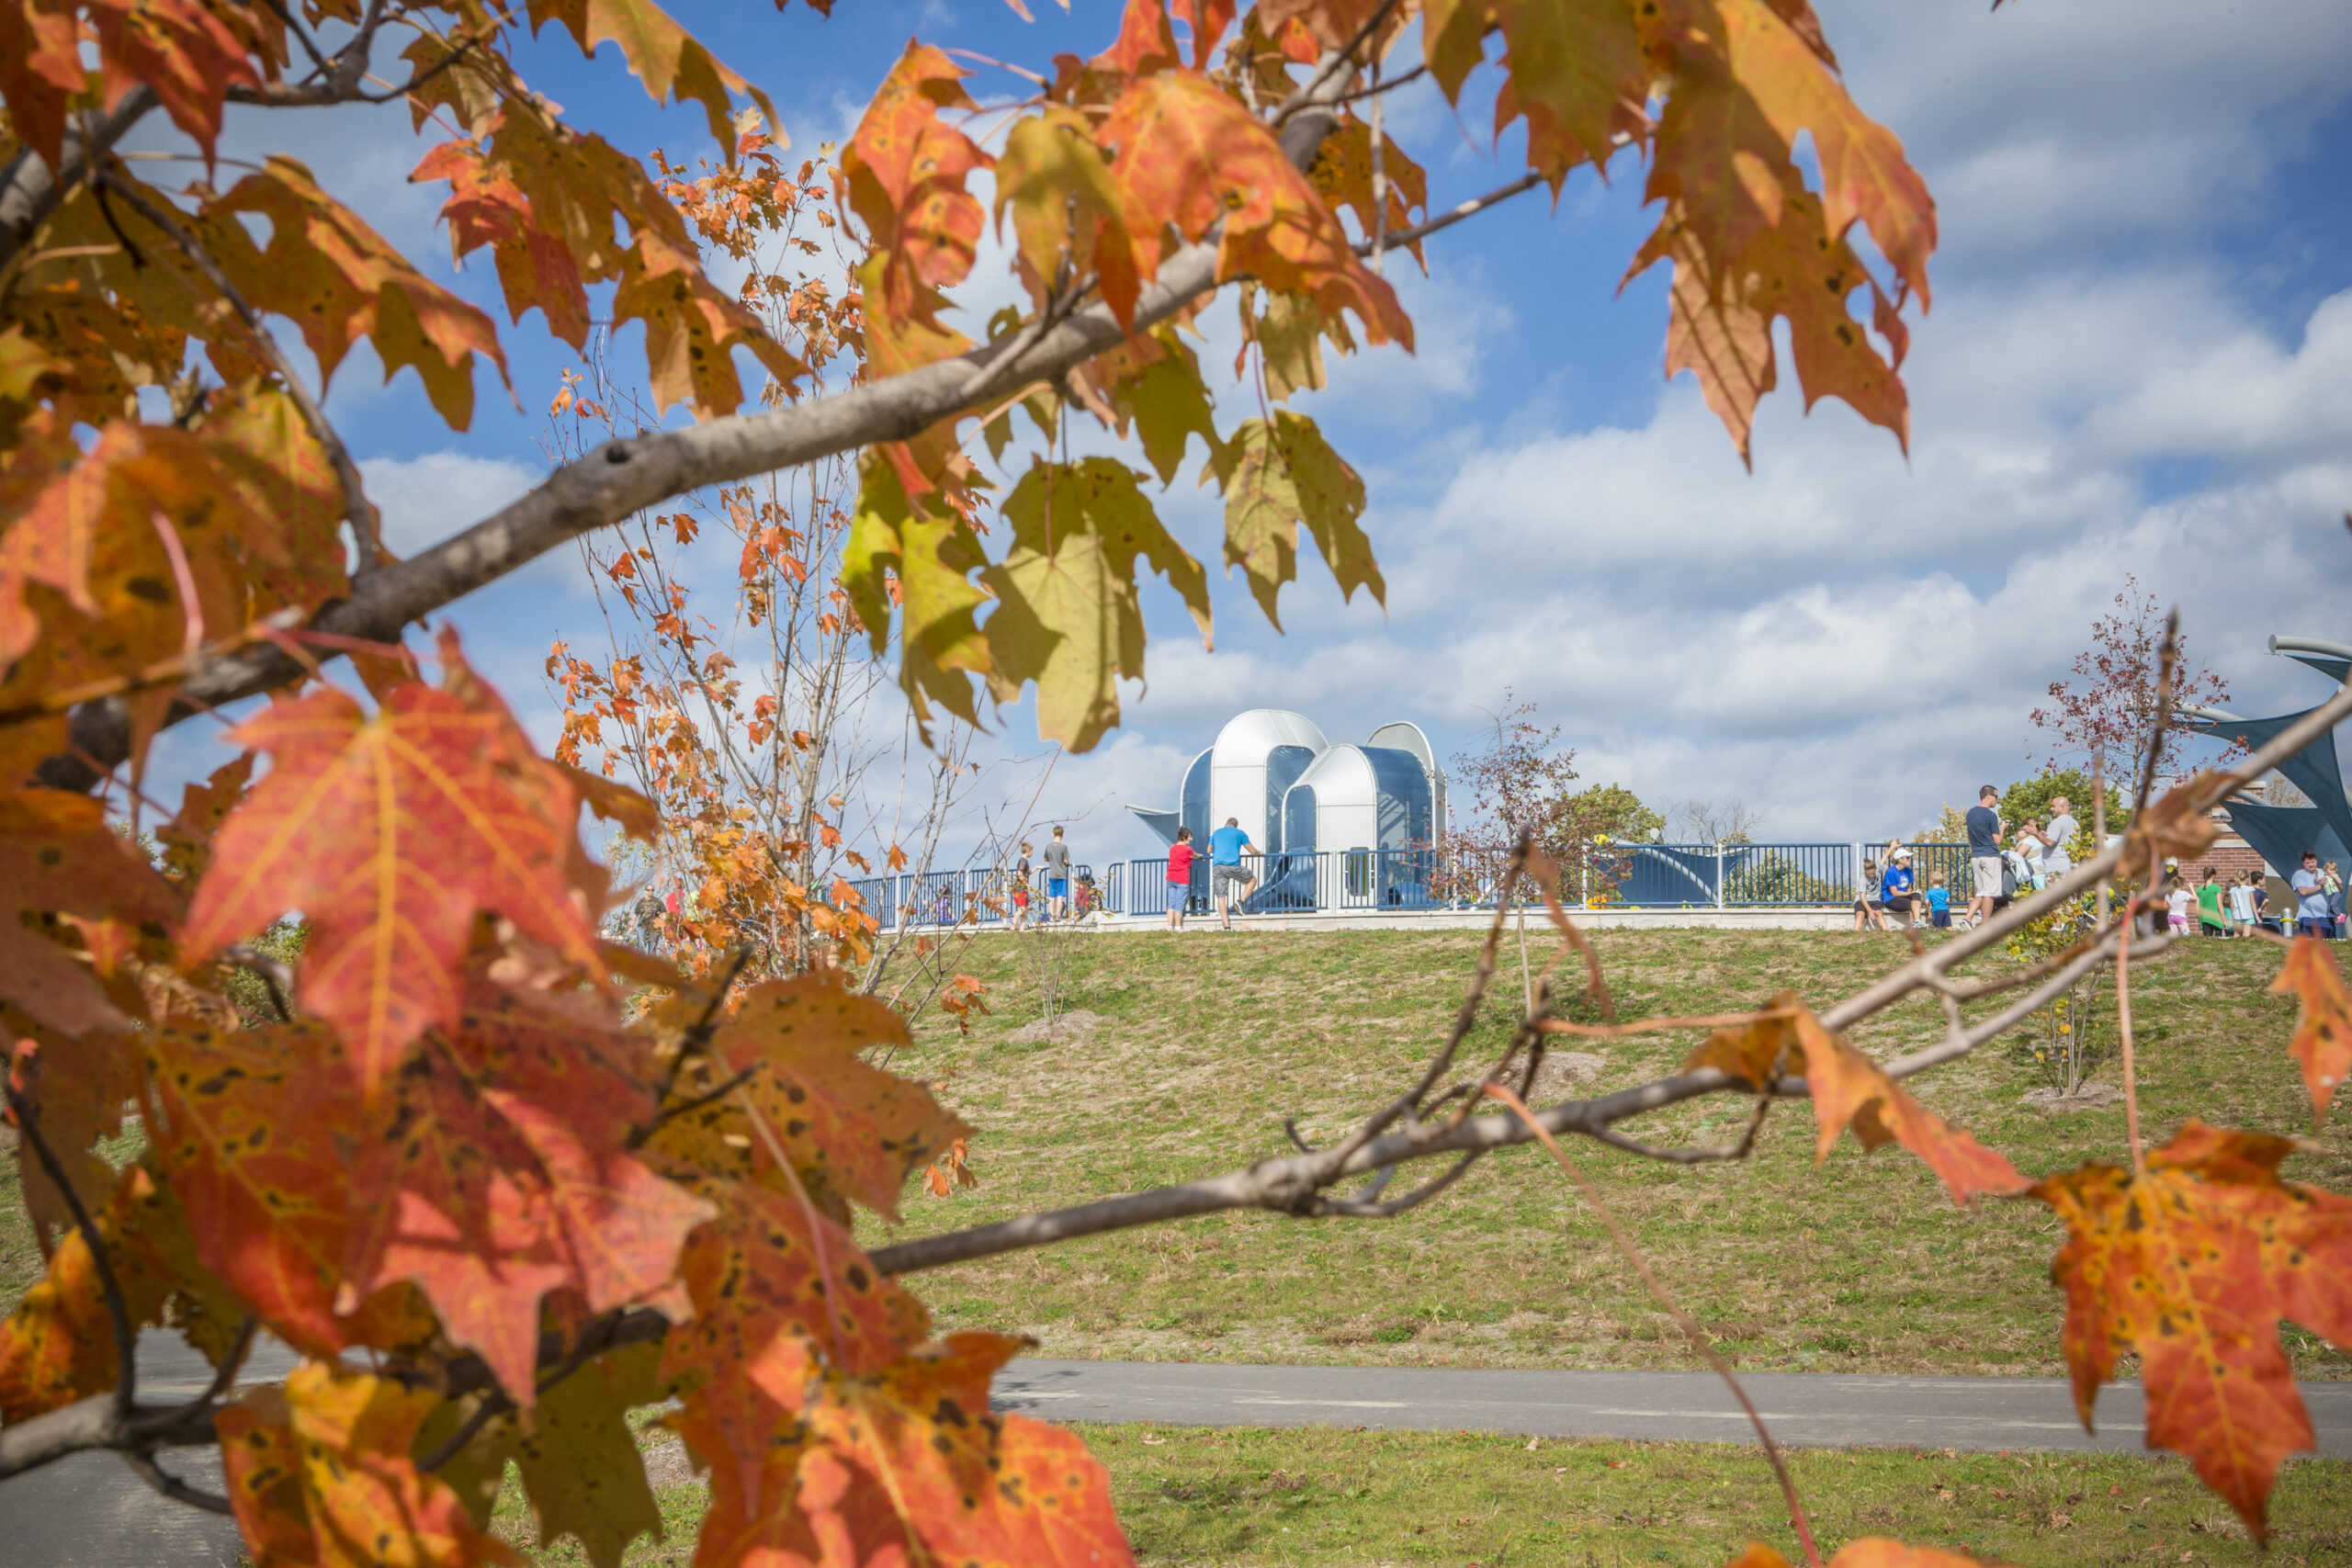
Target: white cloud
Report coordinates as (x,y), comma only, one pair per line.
(426,498)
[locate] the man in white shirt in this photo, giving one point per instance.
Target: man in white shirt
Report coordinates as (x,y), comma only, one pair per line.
(2056,860)
(2313,916)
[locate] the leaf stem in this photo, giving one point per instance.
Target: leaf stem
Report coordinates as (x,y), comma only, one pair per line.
(2124,1032)
(1682,1320)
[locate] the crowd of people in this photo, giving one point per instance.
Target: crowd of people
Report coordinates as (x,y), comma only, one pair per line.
(2006,860)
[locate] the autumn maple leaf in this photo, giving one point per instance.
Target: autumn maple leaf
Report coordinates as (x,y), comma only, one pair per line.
(779,1292)
(319,1473)
(1850,1090)
(2323,1043)
(1871,1551)
(970,1486)
(57,855)
(2191,1265)
(256,1139)
(390,833)
(58,1346)
(849,1128)
(498,1171)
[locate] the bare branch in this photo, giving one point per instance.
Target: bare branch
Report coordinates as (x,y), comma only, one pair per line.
(142,1464)
(1469,208)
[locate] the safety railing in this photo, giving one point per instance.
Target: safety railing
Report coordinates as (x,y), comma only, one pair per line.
(1600,875)
(982,897)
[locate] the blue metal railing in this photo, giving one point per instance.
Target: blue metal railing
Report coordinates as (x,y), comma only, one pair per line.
(1744,876)
(946,899)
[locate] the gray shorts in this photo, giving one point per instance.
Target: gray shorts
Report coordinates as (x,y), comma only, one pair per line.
(1226,877)
(1988,876)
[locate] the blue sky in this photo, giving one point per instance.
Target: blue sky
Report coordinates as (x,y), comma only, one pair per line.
(2140,360)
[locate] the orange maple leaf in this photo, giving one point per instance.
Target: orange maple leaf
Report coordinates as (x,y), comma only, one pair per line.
(2323,1043)
(778,1293)
(969,1486)
(497,1171)
(338,281)
(320,1474)
(1189,156)
(1751,1053)
(849,1128)
(58,1346)
(2174,826)
(2191,1265)
(254,1129)
(1871,1551)
(391,833)
(57,855)
(1849,1089)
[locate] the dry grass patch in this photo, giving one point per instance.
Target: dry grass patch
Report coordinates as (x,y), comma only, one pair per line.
(1208,1041)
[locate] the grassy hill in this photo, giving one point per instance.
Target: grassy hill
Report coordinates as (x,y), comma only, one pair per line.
(1863,1264)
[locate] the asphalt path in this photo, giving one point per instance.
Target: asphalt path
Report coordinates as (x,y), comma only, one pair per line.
(90,1511)
(1803,1409)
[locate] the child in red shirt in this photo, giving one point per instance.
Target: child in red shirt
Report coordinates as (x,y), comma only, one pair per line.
(1180,877)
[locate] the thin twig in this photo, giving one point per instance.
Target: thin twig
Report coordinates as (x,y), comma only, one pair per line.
(126,1333)
(1383,84)
(694,1040)
(1469,208)
(1682,1320)
(142,1464)
(356,510)
(1312,92)
(2124,1032)
(275,978)
(1654,1025)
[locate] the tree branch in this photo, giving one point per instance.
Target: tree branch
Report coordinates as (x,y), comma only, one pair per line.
(623,477)
(31,190)
(1469,208)
(1293,1184)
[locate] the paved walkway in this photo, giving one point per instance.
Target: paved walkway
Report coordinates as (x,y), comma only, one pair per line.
(91,1512)
(1805,1409)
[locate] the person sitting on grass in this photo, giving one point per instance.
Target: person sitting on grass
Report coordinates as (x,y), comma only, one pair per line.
(1939,903)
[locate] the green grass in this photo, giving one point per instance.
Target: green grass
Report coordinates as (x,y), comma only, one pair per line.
(1863,1264)
(1317,1496)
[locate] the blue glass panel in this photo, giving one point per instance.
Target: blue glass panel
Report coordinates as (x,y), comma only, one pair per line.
(1298,821)
(1283,765)
(1195,808)
(1405,809)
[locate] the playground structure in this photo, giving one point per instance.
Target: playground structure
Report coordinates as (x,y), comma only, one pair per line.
(2281,834)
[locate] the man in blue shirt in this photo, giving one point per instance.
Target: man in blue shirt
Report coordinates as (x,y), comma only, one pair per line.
(1227,846)
(1984,854)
